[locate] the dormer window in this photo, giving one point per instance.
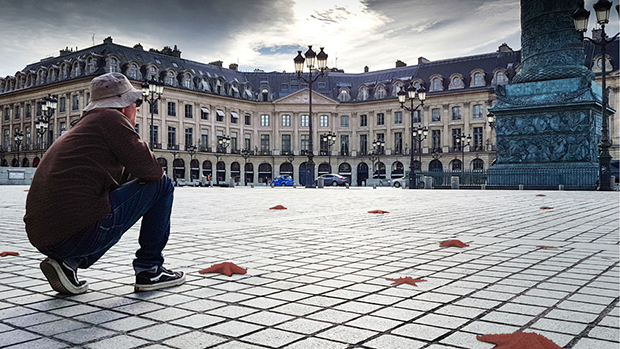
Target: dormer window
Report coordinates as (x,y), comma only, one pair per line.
(113,64)
(363,95)
(380,92)
(478,79)
(344,96)
(90,65)
(500,78)
(175,65)
(152,73)
(187,83)
(456,82)
(133,71)
(170,78)
(436,84)
(265,95)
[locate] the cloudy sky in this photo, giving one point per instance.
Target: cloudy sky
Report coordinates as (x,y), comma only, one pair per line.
(263,34)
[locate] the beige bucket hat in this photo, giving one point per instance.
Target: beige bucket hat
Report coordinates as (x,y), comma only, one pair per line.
(112,90)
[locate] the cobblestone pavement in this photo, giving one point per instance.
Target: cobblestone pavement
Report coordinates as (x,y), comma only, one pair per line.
(317,273)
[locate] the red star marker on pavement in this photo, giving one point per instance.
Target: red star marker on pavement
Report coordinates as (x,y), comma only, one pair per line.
(4,254)
(278,207)
(406,280)
(546,247)
(453,243)
(378,211)
(546,208)
(518,340)
(541,195)
(226,268)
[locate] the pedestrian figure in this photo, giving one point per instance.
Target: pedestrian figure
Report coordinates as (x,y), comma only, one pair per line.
(93,184)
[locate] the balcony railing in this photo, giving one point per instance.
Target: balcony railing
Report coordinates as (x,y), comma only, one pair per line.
(204,149)
(173,147)
(157,146)
(264,152)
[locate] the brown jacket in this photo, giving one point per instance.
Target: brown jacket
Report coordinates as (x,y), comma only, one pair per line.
(70,188)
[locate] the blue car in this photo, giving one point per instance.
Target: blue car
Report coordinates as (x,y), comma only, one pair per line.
(283,180)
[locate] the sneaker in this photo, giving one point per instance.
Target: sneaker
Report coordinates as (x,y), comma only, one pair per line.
(62,278)
(161,278)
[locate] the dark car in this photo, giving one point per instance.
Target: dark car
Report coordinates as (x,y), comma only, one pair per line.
(332,179)
(282,180)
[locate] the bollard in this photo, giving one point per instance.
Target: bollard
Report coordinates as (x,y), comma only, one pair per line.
(428,182)
(561,187)
(252,185)
(320,183)
(294,185)
(483,187)
(521,186)
(455,182)
(374,186)
(346,185)
(271,185)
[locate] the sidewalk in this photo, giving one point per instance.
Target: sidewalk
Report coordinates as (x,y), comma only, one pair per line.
(317,273)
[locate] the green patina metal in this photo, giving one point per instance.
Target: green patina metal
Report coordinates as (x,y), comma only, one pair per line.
(550,115)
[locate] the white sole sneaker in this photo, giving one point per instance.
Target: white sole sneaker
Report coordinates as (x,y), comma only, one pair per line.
(58,280)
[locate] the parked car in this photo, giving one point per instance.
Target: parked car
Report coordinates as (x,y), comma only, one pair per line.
(282,180)
(400,182)
(332,179)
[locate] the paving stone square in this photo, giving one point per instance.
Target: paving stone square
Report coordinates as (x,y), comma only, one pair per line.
(317,272)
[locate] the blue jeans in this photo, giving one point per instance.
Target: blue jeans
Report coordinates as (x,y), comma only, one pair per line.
(150,200)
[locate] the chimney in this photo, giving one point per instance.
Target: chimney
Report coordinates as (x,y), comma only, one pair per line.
(422,60)
(107,40)
(233,66)
(175,52)
(138,47)
(66,51)
(366,69)
(504,48)
(217,63)
(400,63)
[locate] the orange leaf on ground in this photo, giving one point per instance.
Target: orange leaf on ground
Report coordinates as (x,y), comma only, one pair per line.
(546,247)
(546,208)
(278,207)
(541,195)
(6,253)
(378,211)
(518,340)
(226,268)
(453,243)
(406,280)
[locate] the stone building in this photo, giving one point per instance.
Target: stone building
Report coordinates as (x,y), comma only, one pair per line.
(265,114)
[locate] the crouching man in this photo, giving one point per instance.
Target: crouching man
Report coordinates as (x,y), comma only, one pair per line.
(93,184)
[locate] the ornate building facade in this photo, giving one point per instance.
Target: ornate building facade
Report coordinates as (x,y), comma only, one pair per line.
(265,114)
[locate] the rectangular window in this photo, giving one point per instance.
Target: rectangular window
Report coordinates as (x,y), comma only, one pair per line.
(7,114)
(234,144)
(456,139)
(304,121)
(137,128)
(204,142)
(477,138)
(156,107)
(456,113)
(247,143)
(417,116)
(248,119)
(189,111)
(436,138)
(380,119)
(477,111)
(75,102)
(398,117)
(204,114)
(286,121)
(304,143)
(264,120)
(40,108)
(28,110)
(398,143)
(172,136)
(344,145)
(436,114)
(344,121)
(324,121)
(363,120)
(264,144)
(63,128)
(363,144)
(381,138)
(286,144)
(189,137)
(17,112)
(234,117)
(153,135)
(62,105)
(172,109)
(220,115)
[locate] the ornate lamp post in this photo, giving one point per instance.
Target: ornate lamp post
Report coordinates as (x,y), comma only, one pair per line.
(191,150)
(321,60)
(18,137)
(151,93)
(375,155)
(417,135)
(222,144)
(462,140)
(51,103)
(245,153)
(402,97)
(329,139)
(2,151)
(580,17)
(41,126)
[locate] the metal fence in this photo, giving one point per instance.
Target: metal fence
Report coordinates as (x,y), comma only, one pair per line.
(534,178)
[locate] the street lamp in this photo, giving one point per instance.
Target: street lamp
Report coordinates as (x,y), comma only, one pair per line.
(375,155)
(191,150)
(222,143)
(151,93)
(18,137)
(41,126)
(51,103)
(580,17)
(329,139)
(415,135)
(245,153)
(321,60)
(462,140)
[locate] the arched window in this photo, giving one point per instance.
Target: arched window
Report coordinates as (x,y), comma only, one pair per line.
(500,77)
(187,82)
(477,165)
(76,69)
(264,173)
(380,92)
(235,171)
(221,171)
(91,65)
(398,170)
(249,172)
(435,166)
(207,168)
(113,65)
(344,96)
(133,71)
(170,78)
(152,73)
(286,169)
(194,169)
(164,164)
(178,168)
(478,79)
(363,93)
(324,168)
(456,165)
